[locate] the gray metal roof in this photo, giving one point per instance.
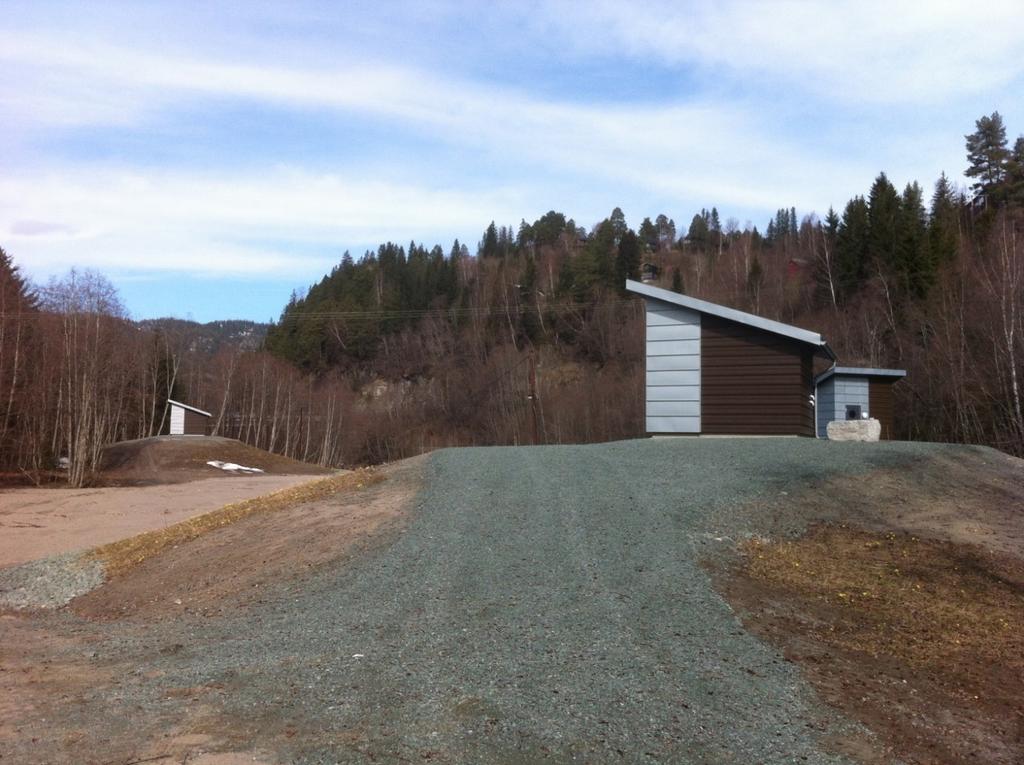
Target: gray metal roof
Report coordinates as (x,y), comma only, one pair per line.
(860,372)
(751,320)
(190,408)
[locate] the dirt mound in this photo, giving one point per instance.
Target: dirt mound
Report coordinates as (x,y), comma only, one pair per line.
(175,459)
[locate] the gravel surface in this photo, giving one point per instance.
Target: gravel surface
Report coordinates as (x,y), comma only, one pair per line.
(545,604)
(50,582)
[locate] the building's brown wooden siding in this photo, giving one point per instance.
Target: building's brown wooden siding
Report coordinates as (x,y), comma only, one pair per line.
(196,424)
(753,382)
(880,405)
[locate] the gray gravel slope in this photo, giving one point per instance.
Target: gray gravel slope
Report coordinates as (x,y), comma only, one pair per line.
(545,604)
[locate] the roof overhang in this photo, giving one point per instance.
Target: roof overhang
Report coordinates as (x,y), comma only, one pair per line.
(190,408)
(893,374)
(731,314)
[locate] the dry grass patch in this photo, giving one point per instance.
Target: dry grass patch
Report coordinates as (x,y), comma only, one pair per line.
(119,557)
(921,640)
(922,601)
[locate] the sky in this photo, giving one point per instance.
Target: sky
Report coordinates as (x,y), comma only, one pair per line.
(209,158)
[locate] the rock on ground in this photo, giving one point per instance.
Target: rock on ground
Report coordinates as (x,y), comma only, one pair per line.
(854,430)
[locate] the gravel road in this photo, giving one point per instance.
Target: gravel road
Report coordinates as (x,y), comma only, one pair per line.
(544,604)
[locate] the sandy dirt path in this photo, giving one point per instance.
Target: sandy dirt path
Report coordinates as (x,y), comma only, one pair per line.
(35,523)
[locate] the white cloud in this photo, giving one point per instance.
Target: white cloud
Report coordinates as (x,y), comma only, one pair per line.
(860,52)
(700,150)
(166,221)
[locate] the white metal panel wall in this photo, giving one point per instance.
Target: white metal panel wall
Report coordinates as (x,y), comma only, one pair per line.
(177,421)
(673,368)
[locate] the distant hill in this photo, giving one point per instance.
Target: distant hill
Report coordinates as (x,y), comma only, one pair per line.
(212,336)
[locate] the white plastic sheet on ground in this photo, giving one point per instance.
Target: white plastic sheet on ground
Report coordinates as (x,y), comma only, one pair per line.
(232,467)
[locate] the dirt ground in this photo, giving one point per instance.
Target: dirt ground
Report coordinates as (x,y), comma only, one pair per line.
(36,522)
(47,670)
(224,570)
(910,620)
(175,459)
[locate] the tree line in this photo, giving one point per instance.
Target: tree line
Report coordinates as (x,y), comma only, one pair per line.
(408,348)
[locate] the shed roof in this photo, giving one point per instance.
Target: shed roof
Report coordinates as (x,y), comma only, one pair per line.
(751,320)
(860,372)
(190,408)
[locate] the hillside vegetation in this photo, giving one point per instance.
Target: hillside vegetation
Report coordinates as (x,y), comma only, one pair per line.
(408,348)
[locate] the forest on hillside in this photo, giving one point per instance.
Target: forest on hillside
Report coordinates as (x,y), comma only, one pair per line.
(410,347)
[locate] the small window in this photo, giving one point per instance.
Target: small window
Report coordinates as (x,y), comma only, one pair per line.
(853,411)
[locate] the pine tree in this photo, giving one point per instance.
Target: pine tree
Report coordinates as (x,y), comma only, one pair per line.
(915,268)
(617,220)
(489,245)
(1015,172)
(714,222)
(943,223)
(677,280)
(627,260)
(883,223)
(852,248)
(648,234)
(698,233)
(525,236)
(831,225)
(548,228)
(987,156)
(714,232)
(666,230)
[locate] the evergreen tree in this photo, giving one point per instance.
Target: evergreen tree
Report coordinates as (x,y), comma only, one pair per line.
(15,293)
(571,231)
(714,232)
(648,234)
(831,225)
(627,259)
(596,267)
(677,280)
(987,156)
(549,228)
(525,236)
(778,229)
(698,232)
(617,220)
(666,228)
(915,269)
(883,223)
(489,244)
(1015,173)
(943,222)
(852,248)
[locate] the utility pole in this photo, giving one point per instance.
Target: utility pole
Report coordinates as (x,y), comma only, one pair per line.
(533,396)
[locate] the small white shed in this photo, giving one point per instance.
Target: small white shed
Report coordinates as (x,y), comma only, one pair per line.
(188,420)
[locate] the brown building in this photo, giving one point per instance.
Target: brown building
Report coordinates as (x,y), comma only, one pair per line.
(712,370)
